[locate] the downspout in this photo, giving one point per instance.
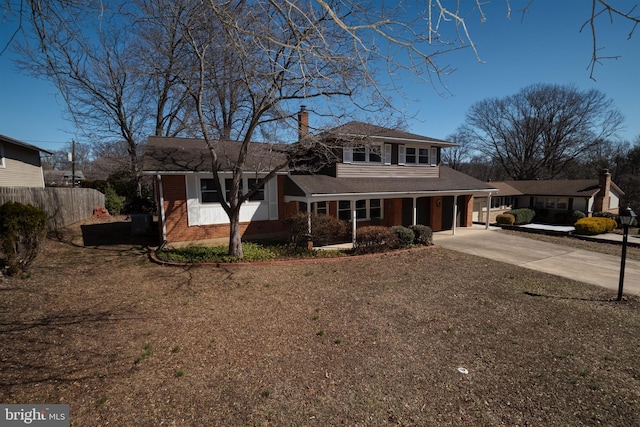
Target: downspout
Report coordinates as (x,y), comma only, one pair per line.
(161,204)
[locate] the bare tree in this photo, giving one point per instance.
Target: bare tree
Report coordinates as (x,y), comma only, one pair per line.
(536,132)
(245,65)
(118,84)
(458,157)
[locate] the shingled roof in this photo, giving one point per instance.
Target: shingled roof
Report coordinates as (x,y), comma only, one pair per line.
(560,187)
(164,154)
(449,181)
(360,130)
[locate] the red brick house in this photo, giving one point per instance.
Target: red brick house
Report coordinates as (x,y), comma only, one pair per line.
(380,176)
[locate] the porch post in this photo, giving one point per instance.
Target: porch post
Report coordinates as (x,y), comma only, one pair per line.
(353,221)
(309,218)
(455,214)
(486,223)
(415,210)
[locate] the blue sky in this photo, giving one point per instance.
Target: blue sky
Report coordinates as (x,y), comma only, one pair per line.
(544,47)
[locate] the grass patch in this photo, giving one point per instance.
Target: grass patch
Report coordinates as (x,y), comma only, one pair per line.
(253,252)
(148,350)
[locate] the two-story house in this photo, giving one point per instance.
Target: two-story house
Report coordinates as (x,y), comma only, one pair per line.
(20,164)
(382,176)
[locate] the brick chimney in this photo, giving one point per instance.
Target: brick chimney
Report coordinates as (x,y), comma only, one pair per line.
(303,122)
(602,200)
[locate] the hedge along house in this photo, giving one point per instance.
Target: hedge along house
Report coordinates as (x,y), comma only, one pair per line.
(553,197)
(377,176)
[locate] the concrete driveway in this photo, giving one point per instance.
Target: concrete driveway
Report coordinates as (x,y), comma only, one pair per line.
(584,266)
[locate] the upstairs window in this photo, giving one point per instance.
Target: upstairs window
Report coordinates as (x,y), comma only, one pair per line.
(362,153)
(412,155)
(2,163)
(417,156)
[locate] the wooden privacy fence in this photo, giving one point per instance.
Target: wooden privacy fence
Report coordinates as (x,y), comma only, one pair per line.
(63,206)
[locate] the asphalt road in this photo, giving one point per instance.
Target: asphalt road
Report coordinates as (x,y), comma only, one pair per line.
(584,266)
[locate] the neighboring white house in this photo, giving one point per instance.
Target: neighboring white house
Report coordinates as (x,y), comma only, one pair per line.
(20,164)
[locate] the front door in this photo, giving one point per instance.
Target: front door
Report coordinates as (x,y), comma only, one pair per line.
(407,212)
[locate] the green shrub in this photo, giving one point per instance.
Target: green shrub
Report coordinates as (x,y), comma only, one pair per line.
(112,201)
(605,215)
(594,225)
(22,230)
(324,228)
(505,219)
(423,234)
(522,216)
(405,236)
(374,239)
(576,215)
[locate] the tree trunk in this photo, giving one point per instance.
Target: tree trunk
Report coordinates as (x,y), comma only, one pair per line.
(235,238)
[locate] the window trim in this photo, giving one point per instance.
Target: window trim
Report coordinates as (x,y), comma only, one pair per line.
(367,209)
(3,163)
(349,153)
(223,184)
(201,192)
(431,153)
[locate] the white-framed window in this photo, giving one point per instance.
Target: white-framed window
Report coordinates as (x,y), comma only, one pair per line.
(375,208)
(501,202)
(361,209)
(557,203)
(2,162)
(259,195)
(208,192)
(344,210)
(227,188)
(319,208)
(415,155)
(362,153)
(365,209)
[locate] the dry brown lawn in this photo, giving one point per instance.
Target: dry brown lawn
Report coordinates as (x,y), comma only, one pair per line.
(361,342)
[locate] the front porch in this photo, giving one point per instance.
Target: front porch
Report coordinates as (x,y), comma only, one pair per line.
(439,211)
